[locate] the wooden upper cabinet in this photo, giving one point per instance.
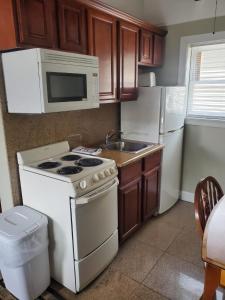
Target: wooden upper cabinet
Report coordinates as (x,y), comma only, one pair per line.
(36,23)
(159,44)
(128,51)
(151,50)
(146,47)
(102,42)
(72,26)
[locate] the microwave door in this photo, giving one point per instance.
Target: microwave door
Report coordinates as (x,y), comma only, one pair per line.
(68,87)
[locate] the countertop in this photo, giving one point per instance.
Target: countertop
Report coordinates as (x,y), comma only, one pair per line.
(125,158)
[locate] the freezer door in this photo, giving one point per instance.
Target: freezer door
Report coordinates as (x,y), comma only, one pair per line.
(173,108)
(140,119)
(171,169)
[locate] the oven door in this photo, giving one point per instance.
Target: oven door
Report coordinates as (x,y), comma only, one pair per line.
(94,218)
(68,87)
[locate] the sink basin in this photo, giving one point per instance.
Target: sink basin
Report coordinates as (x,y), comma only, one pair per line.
(127,146)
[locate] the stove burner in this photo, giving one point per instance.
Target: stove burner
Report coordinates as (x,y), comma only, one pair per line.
(49,165)
(90,162)
(69,170)
(70,157)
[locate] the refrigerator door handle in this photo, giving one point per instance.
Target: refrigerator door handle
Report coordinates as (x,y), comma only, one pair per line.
(171,131)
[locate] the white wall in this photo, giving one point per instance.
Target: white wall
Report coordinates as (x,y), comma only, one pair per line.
(168,12)
(133,7)
(204,155)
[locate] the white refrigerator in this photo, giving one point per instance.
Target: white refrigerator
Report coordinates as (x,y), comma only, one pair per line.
(158,116)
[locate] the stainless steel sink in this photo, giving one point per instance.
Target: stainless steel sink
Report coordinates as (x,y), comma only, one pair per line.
(127,146)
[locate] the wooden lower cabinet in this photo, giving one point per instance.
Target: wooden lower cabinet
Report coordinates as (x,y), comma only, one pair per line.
(151,193)
(139,193)
(129,208)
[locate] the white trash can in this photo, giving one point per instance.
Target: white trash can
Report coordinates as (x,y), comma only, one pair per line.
(24,261)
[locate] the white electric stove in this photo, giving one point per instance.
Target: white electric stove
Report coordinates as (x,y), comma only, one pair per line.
(79,195)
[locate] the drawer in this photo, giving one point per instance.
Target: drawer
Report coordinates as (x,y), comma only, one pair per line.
(88,268)
(152,161)
(130,172)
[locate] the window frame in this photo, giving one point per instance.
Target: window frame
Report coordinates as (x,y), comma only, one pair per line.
(194,50)
(186,43)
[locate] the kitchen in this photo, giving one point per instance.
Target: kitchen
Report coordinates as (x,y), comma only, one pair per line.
(22,132)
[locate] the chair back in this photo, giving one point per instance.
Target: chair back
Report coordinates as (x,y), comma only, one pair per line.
(207,193)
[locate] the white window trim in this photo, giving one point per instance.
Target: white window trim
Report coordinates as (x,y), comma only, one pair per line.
(186,43)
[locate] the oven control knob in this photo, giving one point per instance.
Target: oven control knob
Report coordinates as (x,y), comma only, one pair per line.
(83,184)
(107,172)
(95,178)
(101,175)
(112,170)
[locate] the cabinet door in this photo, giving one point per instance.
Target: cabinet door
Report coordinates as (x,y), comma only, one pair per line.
(146,47)
(129,209)
(72,26)
(128,50)
(103,43)
(36,22)
(158,50)
(151,193)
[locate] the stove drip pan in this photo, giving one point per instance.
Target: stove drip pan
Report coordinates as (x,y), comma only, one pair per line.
(69,170)
(49,165)
(71,157)
(89,162)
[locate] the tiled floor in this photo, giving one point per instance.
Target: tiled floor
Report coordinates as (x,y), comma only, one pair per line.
(161,261)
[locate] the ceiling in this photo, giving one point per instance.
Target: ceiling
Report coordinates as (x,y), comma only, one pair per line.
(169,12)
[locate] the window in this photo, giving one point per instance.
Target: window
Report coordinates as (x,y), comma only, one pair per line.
(206,90)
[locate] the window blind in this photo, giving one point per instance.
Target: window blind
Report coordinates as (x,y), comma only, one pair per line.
(206,91)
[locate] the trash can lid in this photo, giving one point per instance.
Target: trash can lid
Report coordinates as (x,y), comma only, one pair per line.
(19,221)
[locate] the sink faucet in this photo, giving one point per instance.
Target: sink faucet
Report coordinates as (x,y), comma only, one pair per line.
(112,133)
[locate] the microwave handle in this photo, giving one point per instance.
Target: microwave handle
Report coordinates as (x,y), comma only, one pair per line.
(86,200)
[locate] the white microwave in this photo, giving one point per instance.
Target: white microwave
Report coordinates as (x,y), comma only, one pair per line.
(44,81)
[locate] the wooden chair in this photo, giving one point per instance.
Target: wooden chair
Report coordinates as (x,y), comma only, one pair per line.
(207,193)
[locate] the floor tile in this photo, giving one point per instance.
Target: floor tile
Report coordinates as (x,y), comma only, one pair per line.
(144,293)
(176,279)
(158,234)
(181,215)
(136,259)
(187,246)
(111,286)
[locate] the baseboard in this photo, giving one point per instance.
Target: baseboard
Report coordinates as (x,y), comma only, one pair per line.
(186,196)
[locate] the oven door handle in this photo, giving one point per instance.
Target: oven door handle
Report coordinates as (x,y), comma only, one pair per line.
(88,199)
